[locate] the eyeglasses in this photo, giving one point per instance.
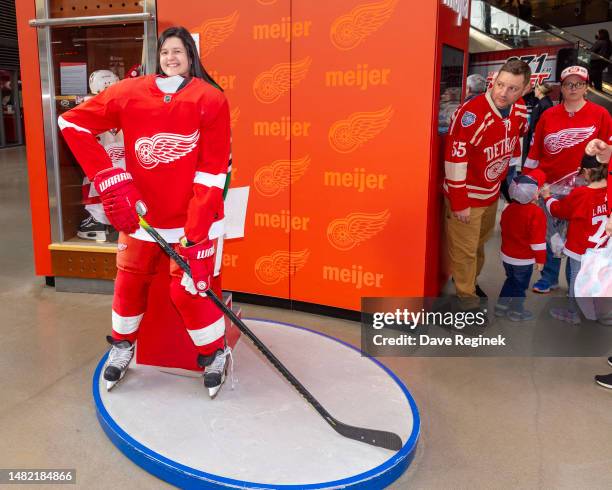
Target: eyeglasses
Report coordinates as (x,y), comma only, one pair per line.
(571,85)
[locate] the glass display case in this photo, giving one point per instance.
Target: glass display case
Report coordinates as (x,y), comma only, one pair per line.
(83,47)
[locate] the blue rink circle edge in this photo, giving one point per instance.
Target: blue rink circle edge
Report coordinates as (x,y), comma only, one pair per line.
(186,477)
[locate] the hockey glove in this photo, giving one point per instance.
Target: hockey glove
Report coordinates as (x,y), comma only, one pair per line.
(201,260)
(119,197)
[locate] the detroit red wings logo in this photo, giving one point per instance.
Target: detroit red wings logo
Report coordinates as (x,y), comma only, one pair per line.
(496,168)
(350,30)
(566,138)
(214,31)
(116,152)
(271,179)
(271,269)
(164,148)
(348,232)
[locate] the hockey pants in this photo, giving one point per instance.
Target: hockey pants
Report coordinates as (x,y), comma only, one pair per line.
(137,264)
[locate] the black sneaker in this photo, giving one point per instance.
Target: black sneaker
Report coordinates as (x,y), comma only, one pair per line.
(91,229)
(604,380)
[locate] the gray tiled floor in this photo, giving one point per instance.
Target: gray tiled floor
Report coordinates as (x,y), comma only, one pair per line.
(486,423)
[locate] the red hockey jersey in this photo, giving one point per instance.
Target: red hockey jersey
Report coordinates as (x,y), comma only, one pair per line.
(587,212)
(523,231)
(560,139)
(480,145)
(176,148)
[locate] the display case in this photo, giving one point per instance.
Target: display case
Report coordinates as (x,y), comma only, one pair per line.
(84,45)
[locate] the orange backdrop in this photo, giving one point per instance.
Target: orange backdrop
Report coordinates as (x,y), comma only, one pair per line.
(332,106)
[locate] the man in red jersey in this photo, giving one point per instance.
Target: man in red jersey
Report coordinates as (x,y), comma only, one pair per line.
(483,139)
(558,145)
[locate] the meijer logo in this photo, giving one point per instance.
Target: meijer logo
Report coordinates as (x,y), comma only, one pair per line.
(286,128)
(230,260)
(271,179)
(283,221)
(349,134)
(227,82)
(346,233)
(214,31)
(358,179)
(350,30)
(271,269)
(362,77)
(285,29)
(355,276)
(270,85)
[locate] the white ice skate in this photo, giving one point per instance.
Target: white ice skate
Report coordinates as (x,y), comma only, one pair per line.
(215,370)
(119,358)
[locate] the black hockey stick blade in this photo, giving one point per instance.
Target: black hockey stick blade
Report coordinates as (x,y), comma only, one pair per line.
(379,438)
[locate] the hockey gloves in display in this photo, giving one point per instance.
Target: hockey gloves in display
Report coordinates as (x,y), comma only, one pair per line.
(119,197)
(201,260)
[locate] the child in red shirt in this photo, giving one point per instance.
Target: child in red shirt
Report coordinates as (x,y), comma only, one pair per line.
(587,212)
(523,230)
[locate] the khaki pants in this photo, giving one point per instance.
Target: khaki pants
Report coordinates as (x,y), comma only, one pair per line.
(466,247)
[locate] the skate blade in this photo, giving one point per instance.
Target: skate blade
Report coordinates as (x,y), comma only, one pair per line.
(111,384)
(98,236)
(212,392)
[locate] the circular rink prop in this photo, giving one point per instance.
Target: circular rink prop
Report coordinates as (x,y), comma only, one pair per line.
(262,433)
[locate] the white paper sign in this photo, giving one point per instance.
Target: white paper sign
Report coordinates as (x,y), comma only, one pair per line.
(235,211)
(73,78)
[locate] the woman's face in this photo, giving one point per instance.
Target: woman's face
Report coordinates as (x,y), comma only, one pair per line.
(173,58)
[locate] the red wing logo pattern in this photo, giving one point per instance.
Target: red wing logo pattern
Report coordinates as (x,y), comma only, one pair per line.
(566,138)
(271,84)
(350,30)
(164,148)
(349,134)
(271,269)
(116,152)
(346,233)
(214,31)
(271,179)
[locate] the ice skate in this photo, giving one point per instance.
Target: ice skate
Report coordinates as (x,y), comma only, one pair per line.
(119,358)
(215,370)
(91,229)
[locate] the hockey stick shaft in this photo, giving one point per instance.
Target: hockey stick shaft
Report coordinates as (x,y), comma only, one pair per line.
(384,439)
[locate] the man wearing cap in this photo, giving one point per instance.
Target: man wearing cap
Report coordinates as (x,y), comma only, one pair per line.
(483,138)
(558,145)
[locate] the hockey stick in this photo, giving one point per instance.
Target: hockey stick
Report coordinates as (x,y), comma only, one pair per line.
(380,438)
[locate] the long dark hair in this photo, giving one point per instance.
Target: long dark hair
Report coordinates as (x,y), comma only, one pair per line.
(195,65)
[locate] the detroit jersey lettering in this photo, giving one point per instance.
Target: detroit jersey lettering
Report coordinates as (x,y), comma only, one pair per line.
(480,147)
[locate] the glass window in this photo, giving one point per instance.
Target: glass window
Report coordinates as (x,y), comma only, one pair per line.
(85,60)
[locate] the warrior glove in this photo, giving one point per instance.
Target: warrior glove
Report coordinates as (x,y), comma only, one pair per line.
(119,197)
(201,260)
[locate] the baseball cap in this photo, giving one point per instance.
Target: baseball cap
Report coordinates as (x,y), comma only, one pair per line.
(524,188)
(589,161)
(579,71)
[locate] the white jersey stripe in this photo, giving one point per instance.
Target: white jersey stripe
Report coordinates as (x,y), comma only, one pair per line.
(210,180)
(125,325)
(63,124)
(455,171)
(210,333)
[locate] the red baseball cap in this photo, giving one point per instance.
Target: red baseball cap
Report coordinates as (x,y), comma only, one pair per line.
(579,71)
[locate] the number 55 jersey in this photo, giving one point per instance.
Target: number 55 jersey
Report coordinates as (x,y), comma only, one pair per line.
(481,144)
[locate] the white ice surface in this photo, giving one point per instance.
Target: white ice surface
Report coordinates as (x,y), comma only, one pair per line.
(263,431)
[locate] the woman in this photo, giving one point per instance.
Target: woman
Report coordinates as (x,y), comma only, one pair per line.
(559,142)
(176,128)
